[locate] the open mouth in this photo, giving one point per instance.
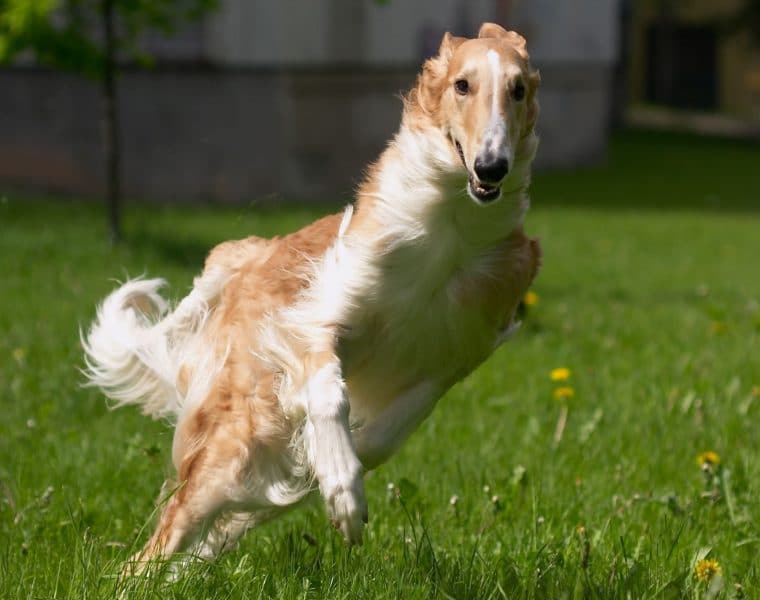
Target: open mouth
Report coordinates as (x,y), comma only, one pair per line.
(479,190)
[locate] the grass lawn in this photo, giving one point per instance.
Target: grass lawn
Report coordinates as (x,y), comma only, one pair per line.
(650,295)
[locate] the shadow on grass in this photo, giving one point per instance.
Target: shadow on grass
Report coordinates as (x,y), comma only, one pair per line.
(185,235)
(182,251)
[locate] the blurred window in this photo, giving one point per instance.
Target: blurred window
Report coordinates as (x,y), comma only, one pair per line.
(682,69)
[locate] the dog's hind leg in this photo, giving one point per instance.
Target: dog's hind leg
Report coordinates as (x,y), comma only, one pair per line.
(224,535)
(210,484)
(183,518)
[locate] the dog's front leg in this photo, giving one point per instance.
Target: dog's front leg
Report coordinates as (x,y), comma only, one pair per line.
(330,449)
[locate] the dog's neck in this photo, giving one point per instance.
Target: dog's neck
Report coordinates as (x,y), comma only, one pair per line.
(417,191)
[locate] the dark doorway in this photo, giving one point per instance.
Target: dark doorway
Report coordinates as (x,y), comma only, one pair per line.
(682,67)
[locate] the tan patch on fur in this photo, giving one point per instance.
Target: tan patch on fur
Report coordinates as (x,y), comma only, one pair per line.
(498,290)
(183,379)
(231,255)
(269,274)
(274,278)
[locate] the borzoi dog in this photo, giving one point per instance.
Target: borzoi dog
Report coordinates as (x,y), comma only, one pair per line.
(301,362)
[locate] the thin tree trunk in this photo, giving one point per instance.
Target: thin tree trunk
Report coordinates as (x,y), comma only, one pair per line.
(111,142)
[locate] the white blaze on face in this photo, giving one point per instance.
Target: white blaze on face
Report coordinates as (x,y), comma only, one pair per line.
(496,131)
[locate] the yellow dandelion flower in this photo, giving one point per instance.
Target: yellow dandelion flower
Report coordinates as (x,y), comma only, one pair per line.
(530,298)
(708,457)
(706,569)
(560,374)
(756,390)
(562,393)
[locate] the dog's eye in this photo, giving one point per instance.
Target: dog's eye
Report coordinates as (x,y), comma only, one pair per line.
(461,86)
(519,92)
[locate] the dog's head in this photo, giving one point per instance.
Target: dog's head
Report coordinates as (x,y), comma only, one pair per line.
(482,94)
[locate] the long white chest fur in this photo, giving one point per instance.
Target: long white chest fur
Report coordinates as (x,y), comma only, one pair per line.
(419,312)
(416,321)
(418,288)
(419,326)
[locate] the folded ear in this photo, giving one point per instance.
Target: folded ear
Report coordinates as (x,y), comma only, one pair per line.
(492,30)
(449,44)
(431,81)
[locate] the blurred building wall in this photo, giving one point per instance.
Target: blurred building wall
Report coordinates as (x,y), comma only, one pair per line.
(293,98)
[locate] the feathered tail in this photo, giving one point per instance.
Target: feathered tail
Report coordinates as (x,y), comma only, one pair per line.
(135,347)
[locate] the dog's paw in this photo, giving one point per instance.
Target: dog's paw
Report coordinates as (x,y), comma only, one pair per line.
(347,508)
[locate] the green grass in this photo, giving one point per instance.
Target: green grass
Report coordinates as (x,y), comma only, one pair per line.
(650,294)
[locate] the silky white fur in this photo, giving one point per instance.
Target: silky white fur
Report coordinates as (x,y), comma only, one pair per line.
(134,349)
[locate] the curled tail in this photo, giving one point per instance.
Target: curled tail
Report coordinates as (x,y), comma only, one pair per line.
(135,347)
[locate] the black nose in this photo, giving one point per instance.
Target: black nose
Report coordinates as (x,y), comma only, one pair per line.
(491,169)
